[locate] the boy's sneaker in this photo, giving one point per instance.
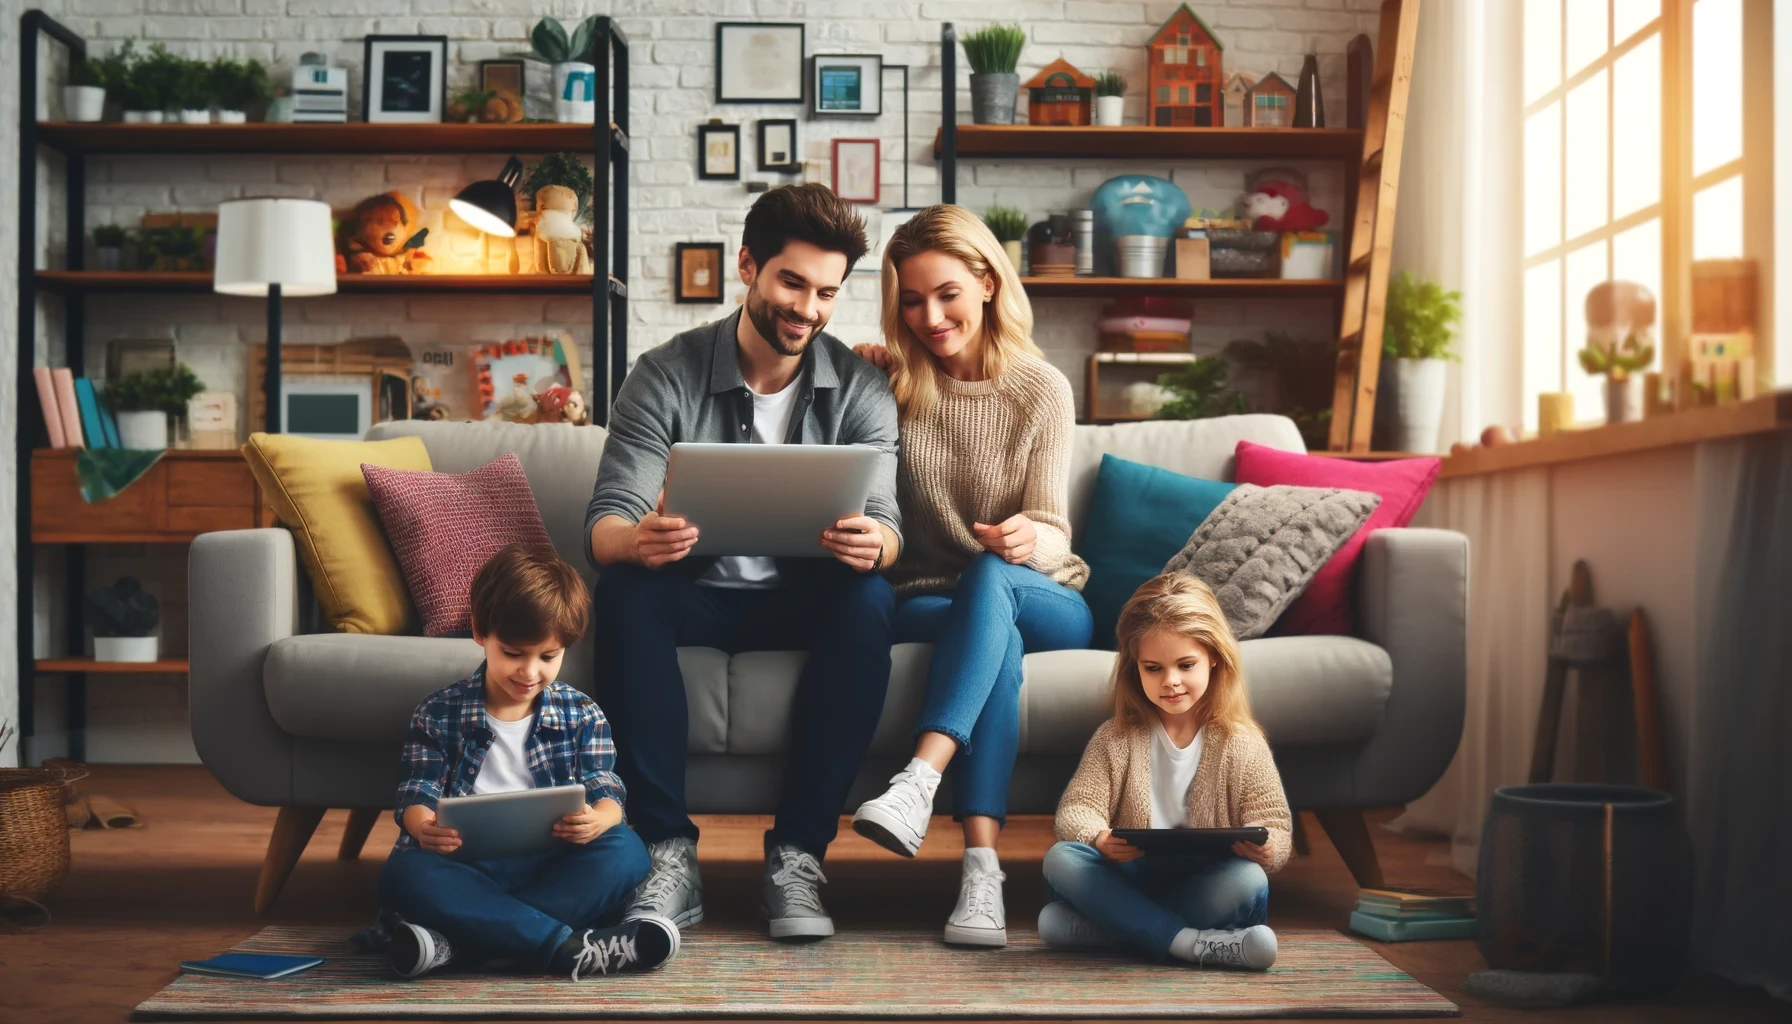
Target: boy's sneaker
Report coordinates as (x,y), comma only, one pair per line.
(978,919)
(1061,927)
(897,820)
(673,888)
(417,950)
(1252,948)
(638,944)
(793,896)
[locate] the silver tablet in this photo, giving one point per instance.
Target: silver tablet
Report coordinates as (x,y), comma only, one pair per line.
(509,824)
(767,499)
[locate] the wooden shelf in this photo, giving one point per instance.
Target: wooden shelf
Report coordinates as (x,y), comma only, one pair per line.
(1218,288)
(1141,142)
(195,282)
(166,665)
(264,137)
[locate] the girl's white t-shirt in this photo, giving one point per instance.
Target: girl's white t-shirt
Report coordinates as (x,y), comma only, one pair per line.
(506,765)
(1172,773)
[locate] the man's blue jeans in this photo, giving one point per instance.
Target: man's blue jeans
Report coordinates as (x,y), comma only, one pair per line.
(516,908)
(1146,901)
(998,613)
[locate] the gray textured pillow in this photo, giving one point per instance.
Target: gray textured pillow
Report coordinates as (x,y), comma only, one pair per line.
(1260,548)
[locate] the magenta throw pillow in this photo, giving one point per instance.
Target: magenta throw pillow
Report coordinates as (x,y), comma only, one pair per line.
(444,526)
(1325,607)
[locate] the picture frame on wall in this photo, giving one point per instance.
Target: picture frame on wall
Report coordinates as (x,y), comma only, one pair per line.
(857,169)
(697,272)
(718,152)
(759,62)
(846,85)
(777,146)
(504,75)
(404,79)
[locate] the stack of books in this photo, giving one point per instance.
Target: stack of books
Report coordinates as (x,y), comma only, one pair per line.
(74,416)
(1406,915)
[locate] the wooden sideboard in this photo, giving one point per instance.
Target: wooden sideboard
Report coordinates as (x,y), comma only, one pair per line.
(186,493)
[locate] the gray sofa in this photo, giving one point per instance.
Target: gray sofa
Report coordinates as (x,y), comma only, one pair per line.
(307,721)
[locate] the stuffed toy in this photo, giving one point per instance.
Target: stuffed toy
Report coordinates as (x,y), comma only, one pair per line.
(519,406)
(561,404)
(382,236)
(1282,206)
(559,244)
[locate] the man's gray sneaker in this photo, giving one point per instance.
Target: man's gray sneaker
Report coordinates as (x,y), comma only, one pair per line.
(793,895)
(673,888)
(1061,927)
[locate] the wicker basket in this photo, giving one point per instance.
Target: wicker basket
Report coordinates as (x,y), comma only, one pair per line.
(34,828)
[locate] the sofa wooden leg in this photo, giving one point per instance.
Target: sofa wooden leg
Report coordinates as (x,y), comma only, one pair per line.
(1300,837)
(292,830)
(1350,834)
(360,822)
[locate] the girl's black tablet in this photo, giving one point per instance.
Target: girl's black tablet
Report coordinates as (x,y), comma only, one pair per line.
(1191,840)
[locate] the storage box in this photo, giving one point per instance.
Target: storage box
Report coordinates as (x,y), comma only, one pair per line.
(1306,255)
(1194,260)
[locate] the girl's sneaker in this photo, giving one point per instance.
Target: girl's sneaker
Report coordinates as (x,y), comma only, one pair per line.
(1061,927)
(1252,948)
(979,919)
(417,950)
(897,820)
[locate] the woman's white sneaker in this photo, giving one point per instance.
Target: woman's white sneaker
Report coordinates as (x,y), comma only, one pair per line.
(897,820)
(979,918)
(1061,927)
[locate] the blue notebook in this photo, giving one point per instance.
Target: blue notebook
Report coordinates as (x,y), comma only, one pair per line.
(90,415)
(252,965)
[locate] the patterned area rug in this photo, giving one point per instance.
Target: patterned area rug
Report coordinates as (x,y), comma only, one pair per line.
(866,974)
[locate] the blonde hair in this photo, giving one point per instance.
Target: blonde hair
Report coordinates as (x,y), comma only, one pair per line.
(1007,316)
(1181,604)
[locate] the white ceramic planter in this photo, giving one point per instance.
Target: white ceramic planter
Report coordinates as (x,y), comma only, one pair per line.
(1419,404)
(145,431)
(126,648)
(233,117)
(84,102)
(1110,111)
(575,92)
(1624,398)
(195,117)
(143,117)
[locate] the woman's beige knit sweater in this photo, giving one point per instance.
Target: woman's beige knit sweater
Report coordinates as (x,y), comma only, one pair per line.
(985,451)
(1236,784)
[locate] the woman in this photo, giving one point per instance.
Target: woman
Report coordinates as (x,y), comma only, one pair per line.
(987,570)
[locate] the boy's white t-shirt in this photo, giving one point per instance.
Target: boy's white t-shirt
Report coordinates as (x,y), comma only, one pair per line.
(1172,773)
(771,425)
(506,766)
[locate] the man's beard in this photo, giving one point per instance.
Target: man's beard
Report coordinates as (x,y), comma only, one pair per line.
(765,317)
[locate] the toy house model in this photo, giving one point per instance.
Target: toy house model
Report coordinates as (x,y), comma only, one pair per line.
(1237,88)
(1270,103)
(1185,74)
(1059,94)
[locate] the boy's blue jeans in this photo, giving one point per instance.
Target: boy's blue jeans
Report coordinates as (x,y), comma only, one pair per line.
(1146,901)
(519,908)
(998,613)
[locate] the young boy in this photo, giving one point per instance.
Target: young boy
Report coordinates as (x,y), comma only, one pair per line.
(512,726)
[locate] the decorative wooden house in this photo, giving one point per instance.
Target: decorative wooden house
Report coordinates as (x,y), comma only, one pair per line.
(1185,77)
(1237,88)
(1270,103)
(1060,94)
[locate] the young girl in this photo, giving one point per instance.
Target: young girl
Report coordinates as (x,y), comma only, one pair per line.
(1181,751)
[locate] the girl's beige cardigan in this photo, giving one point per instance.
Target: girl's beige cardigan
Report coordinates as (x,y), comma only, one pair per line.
(1236,783)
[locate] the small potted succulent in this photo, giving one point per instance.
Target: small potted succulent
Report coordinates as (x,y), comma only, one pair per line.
(1110,99)
(994,53)
(108,241)
(1622,364)
(153,85)
(193,92)
(124,618)
(144,401)
(1416,340)
(575,78)
(1009,226)
(84,97)
(238,86)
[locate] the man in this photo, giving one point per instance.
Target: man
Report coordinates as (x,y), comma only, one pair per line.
(765,375)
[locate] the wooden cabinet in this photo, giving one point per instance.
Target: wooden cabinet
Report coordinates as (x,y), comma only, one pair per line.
(184,494)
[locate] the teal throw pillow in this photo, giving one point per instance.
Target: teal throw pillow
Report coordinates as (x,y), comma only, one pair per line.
(1140,518)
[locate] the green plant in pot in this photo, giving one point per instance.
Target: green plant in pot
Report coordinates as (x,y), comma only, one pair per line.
(575,77)
(1621,364)
(108,240)
(144,401)
(84,97)
(171,249)
(1199,390)
(155,85)
(1009,225)
(994,53)
(1417,340)
(239,86)
(124,618)
(1110,99)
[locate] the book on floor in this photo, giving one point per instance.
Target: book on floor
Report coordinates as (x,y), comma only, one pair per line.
(1389,929)
(46,397)
(1408,903)
(252,965)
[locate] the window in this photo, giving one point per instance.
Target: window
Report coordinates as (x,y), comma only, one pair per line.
(1204,93)
(1270,111)
(1201,57)
(1182,95)
(1163,94)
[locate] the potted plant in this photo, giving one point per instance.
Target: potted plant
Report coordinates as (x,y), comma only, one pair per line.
(1110,99)
(171,249)
(994,53)
(124,618)
(1009,226)
(84,97)
(1622,365)
(108,240)
(143,402)
(1416,340)
(153,83)
(239,85)
(575,78)
(1198,391)
(193,92)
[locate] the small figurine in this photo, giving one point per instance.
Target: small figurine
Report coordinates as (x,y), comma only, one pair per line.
(1282,206)
(382,236)
(559,243)
(519,406)
(561,404)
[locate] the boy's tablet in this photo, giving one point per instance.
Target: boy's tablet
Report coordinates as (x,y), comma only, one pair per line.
(1191,840)
(771,500)
(508,824)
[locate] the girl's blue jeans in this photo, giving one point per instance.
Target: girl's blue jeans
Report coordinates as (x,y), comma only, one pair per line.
(980,631)
(1145,902)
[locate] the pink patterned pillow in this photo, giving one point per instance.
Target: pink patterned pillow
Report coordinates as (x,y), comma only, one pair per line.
(1325,607)
(443,527)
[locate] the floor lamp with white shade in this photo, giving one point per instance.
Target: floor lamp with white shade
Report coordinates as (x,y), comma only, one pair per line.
(276,248)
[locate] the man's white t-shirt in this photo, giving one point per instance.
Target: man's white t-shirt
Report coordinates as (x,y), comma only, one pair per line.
(771,425)
(1172,773)
(506,765)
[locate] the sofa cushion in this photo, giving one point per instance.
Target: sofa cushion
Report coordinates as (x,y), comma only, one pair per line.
(1200,448)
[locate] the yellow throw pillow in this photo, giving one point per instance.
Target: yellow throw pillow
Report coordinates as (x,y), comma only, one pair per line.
(316,489)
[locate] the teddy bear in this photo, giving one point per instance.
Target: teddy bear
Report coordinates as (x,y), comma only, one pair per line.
(382,236)
(1282,206)
(559,243)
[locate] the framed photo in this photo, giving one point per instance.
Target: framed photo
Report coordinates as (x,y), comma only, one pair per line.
(759,62)
(698,276)
(857,171)
(777,146)
(846,85)
(405,78)
(718,152)
(501,76)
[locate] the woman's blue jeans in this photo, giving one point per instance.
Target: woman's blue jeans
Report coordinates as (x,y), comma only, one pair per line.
(1146,901)
(980,631)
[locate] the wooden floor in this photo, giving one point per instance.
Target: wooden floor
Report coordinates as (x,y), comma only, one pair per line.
(137,902)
